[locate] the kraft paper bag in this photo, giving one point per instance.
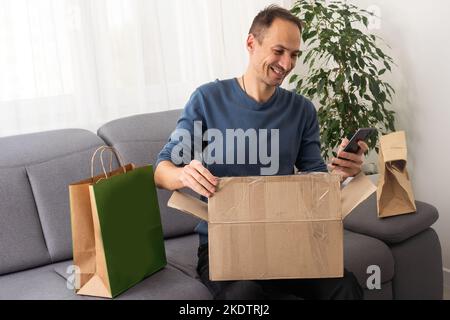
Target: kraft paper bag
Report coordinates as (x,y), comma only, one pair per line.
(394,193)
(116,230)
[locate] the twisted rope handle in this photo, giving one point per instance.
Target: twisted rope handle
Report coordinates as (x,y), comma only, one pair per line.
(112,150)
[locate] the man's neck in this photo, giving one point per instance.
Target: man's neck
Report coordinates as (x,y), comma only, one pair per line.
(255,88)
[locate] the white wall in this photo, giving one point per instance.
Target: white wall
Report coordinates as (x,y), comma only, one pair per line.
(419,35)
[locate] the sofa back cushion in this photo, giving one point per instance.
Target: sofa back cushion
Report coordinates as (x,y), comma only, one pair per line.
(35,217)
(139,139)
(22,244)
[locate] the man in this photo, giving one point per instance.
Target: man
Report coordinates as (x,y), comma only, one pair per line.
(288,129)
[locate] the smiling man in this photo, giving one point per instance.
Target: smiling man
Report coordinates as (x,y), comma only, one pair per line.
(273,53)
(266,120)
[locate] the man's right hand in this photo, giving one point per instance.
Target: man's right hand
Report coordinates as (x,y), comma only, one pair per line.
(196,177)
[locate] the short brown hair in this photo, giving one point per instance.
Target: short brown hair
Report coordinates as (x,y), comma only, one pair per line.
(265,18)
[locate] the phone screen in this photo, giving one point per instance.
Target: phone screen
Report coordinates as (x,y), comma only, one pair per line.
(362,134)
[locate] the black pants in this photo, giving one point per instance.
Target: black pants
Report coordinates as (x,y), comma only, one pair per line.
(346,288)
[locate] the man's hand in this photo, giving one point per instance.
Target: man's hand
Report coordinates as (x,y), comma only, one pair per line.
(351,163)
(196,177)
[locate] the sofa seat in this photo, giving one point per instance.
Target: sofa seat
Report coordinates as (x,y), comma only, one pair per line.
(36,284)
(49,283)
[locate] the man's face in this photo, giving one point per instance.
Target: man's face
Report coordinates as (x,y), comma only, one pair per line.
(277,54)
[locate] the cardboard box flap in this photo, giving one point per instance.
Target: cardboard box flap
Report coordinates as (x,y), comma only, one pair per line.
(311,197)
(188,204)
(276,199)
(393,146)
(355,192)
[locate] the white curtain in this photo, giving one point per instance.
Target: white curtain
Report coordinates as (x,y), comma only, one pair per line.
(81,63)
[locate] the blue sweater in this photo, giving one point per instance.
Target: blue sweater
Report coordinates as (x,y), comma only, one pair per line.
(287,118)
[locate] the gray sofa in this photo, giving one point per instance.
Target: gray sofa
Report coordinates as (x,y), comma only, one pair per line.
(35,236)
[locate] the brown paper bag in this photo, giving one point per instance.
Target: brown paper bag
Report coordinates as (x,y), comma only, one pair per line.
(394,194)
(85,252)
(110,214)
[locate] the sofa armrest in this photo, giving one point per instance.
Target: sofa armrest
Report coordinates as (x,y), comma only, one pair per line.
(364,219)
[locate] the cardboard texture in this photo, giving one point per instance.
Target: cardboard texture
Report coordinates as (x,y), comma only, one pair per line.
(276,227)
(116,231)
(394,193)
(355,192)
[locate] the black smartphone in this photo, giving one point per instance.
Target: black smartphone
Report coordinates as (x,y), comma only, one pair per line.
(362,134)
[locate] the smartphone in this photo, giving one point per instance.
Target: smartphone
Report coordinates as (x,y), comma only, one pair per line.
(362,134)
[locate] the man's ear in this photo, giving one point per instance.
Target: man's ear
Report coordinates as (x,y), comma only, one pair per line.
(251,40)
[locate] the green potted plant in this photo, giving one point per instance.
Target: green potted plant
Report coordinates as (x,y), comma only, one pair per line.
(345,66)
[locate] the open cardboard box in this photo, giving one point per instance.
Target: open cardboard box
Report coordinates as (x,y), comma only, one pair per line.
(276,227)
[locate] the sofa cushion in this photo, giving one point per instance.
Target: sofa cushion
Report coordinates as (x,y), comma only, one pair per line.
(45,284)
(363,219)
(38,147)
(139,139)
(36,284)
(168,283)
(22,243)
(181,253)
(141,153)
(384,293)
(418,267)
(143,127)
(50,183)
(361,251)
(50,161)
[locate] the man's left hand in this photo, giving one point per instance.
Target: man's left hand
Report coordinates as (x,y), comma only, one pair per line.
(351,163)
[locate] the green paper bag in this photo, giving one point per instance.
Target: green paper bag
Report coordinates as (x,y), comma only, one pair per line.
(116,228)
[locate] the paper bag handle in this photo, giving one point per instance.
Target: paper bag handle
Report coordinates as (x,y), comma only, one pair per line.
(113,150)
